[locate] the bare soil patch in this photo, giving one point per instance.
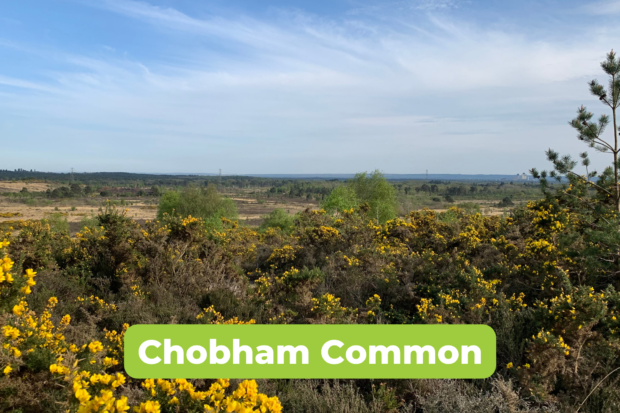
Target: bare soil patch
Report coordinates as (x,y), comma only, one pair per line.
(251,211)
(136,212)
(7,186)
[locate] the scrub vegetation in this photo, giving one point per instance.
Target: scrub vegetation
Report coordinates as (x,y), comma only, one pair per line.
(37,189)
(545,278)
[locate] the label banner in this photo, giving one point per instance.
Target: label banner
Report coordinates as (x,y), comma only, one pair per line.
(310,351)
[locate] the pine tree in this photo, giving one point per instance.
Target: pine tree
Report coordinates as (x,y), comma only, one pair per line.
(591,133)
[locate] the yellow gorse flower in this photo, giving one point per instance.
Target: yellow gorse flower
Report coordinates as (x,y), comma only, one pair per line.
(95,347)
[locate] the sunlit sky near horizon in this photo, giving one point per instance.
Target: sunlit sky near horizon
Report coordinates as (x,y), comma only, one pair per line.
(322,86)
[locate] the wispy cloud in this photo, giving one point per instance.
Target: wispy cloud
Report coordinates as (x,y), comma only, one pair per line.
(244,30)
(300,92)
(484,57)
(24,84)
(437,4)
(602,8)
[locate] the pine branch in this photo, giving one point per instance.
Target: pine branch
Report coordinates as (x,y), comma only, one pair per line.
(590,182)
(586,203)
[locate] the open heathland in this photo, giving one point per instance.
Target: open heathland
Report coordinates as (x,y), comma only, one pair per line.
(255,198)
(543,278)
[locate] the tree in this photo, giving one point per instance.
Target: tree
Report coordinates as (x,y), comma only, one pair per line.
(341,198)
(372,189)
(506,202)
(591,133)
(199,203)
(76,190)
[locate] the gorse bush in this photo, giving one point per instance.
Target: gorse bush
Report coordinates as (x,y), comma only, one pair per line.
(87,377)
(543,278)
(198,202)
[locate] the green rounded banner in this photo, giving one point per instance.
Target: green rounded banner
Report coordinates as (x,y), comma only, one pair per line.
(310,351)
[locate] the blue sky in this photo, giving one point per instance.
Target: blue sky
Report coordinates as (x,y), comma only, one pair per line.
(297,86)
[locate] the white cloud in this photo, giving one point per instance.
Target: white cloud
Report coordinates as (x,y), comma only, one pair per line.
(312,94)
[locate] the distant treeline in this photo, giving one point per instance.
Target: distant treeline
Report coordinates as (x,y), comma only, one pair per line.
(135,180)
(122,184)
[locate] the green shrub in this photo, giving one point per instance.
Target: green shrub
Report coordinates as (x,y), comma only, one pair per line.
(278,218)
(340,199)
(58,223)
(371,189)
(470,207)
(506,202)
(448,217)
(198,203)
(89,222)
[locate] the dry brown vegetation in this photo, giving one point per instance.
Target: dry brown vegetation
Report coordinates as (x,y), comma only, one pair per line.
(251,207)
(6,186)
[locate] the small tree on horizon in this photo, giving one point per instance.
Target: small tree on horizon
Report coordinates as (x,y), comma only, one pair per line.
(591,133)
